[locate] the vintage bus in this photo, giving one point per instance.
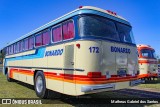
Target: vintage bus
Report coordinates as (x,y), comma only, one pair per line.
(86,51)
(147,62)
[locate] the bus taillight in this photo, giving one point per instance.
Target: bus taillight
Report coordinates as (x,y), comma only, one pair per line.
(78,45)
(94,74)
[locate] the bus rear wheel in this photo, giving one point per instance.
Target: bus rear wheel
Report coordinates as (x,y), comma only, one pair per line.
(40,85)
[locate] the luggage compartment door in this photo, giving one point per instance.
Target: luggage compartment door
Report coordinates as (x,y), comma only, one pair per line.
(69,82)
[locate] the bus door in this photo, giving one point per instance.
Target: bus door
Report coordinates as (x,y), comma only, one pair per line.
(69,82)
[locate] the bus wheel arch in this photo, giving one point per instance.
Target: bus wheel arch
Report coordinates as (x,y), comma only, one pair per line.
(40,84)
(7,75)
(6,71)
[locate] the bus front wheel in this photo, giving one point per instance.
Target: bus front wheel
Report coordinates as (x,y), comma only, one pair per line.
(40,85)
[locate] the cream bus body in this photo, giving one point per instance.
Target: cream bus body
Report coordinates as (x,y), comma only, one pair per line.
(97,54)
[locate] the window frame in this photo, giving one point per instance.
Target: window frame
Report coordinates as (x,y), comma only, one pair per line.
(7,50)
(150,51)
(106,38)
(49,32)
(115,23)
(41,33)
(14,48)
(22,45)
(31,37)
(52,33)
(25,44)
(67,27)
(17,47)
(38,34)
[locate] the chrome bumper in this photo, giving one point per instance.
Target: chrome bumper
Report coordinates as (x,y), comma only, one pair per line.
(136,82)
(97,87)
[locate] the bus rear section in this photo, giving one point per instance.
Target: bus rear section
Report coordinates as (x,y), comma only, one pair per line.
(147,62)
(107,55)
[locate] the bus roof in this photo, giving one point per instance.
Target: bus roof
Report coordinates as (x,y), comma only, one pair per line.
(144,46)
(80,10)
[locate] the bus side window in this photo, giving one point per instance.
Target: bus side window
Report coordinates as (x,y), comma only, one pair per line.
(26,44)
(18,47)
(31,42)
(7,51)
(46,37)
(68,30)
(57,33)
(14,48)
(38,40)
(21,46)
(11,49)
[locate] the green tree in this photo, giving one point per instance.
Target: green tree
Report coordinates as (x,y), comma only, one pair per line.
(2,55)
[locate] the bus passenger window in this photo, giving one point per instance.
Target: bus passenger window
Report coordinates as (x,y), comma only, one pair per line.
(38,40)
(7,51)
(57,34)
(46,38)
(31,43)
(14,48)
(68,30)
(26,45)
(11,49)
(21,46)
(18,47)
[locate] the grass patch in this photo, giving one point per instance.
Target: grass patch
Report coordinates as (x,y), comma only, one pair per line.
(15,89)
(151,84)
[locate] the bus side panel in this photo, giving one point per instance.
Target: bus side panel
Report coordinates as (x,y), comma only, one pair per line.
(20,62)
(55,65)
(39,61)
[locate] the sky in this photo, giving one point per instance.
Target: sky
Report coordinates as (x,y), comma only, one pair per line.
(19,17)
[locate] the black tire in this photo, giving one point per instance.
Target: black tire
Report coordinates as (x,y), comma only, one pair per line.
(8,78)
(40,88)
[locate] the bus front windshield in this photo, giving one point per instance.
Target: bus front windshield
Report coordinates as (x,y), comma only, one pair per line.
(98,26)
(148,53)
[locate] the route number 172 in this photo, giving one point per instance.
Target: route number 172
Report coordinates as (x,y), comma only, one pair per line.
(94,49)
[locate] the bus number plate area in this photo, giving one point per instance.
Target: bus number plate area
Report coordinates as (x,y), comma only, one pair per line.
(121,72)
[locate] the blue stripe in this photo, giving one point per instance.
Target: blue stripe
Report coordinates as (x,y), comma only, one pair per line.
(39,53)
